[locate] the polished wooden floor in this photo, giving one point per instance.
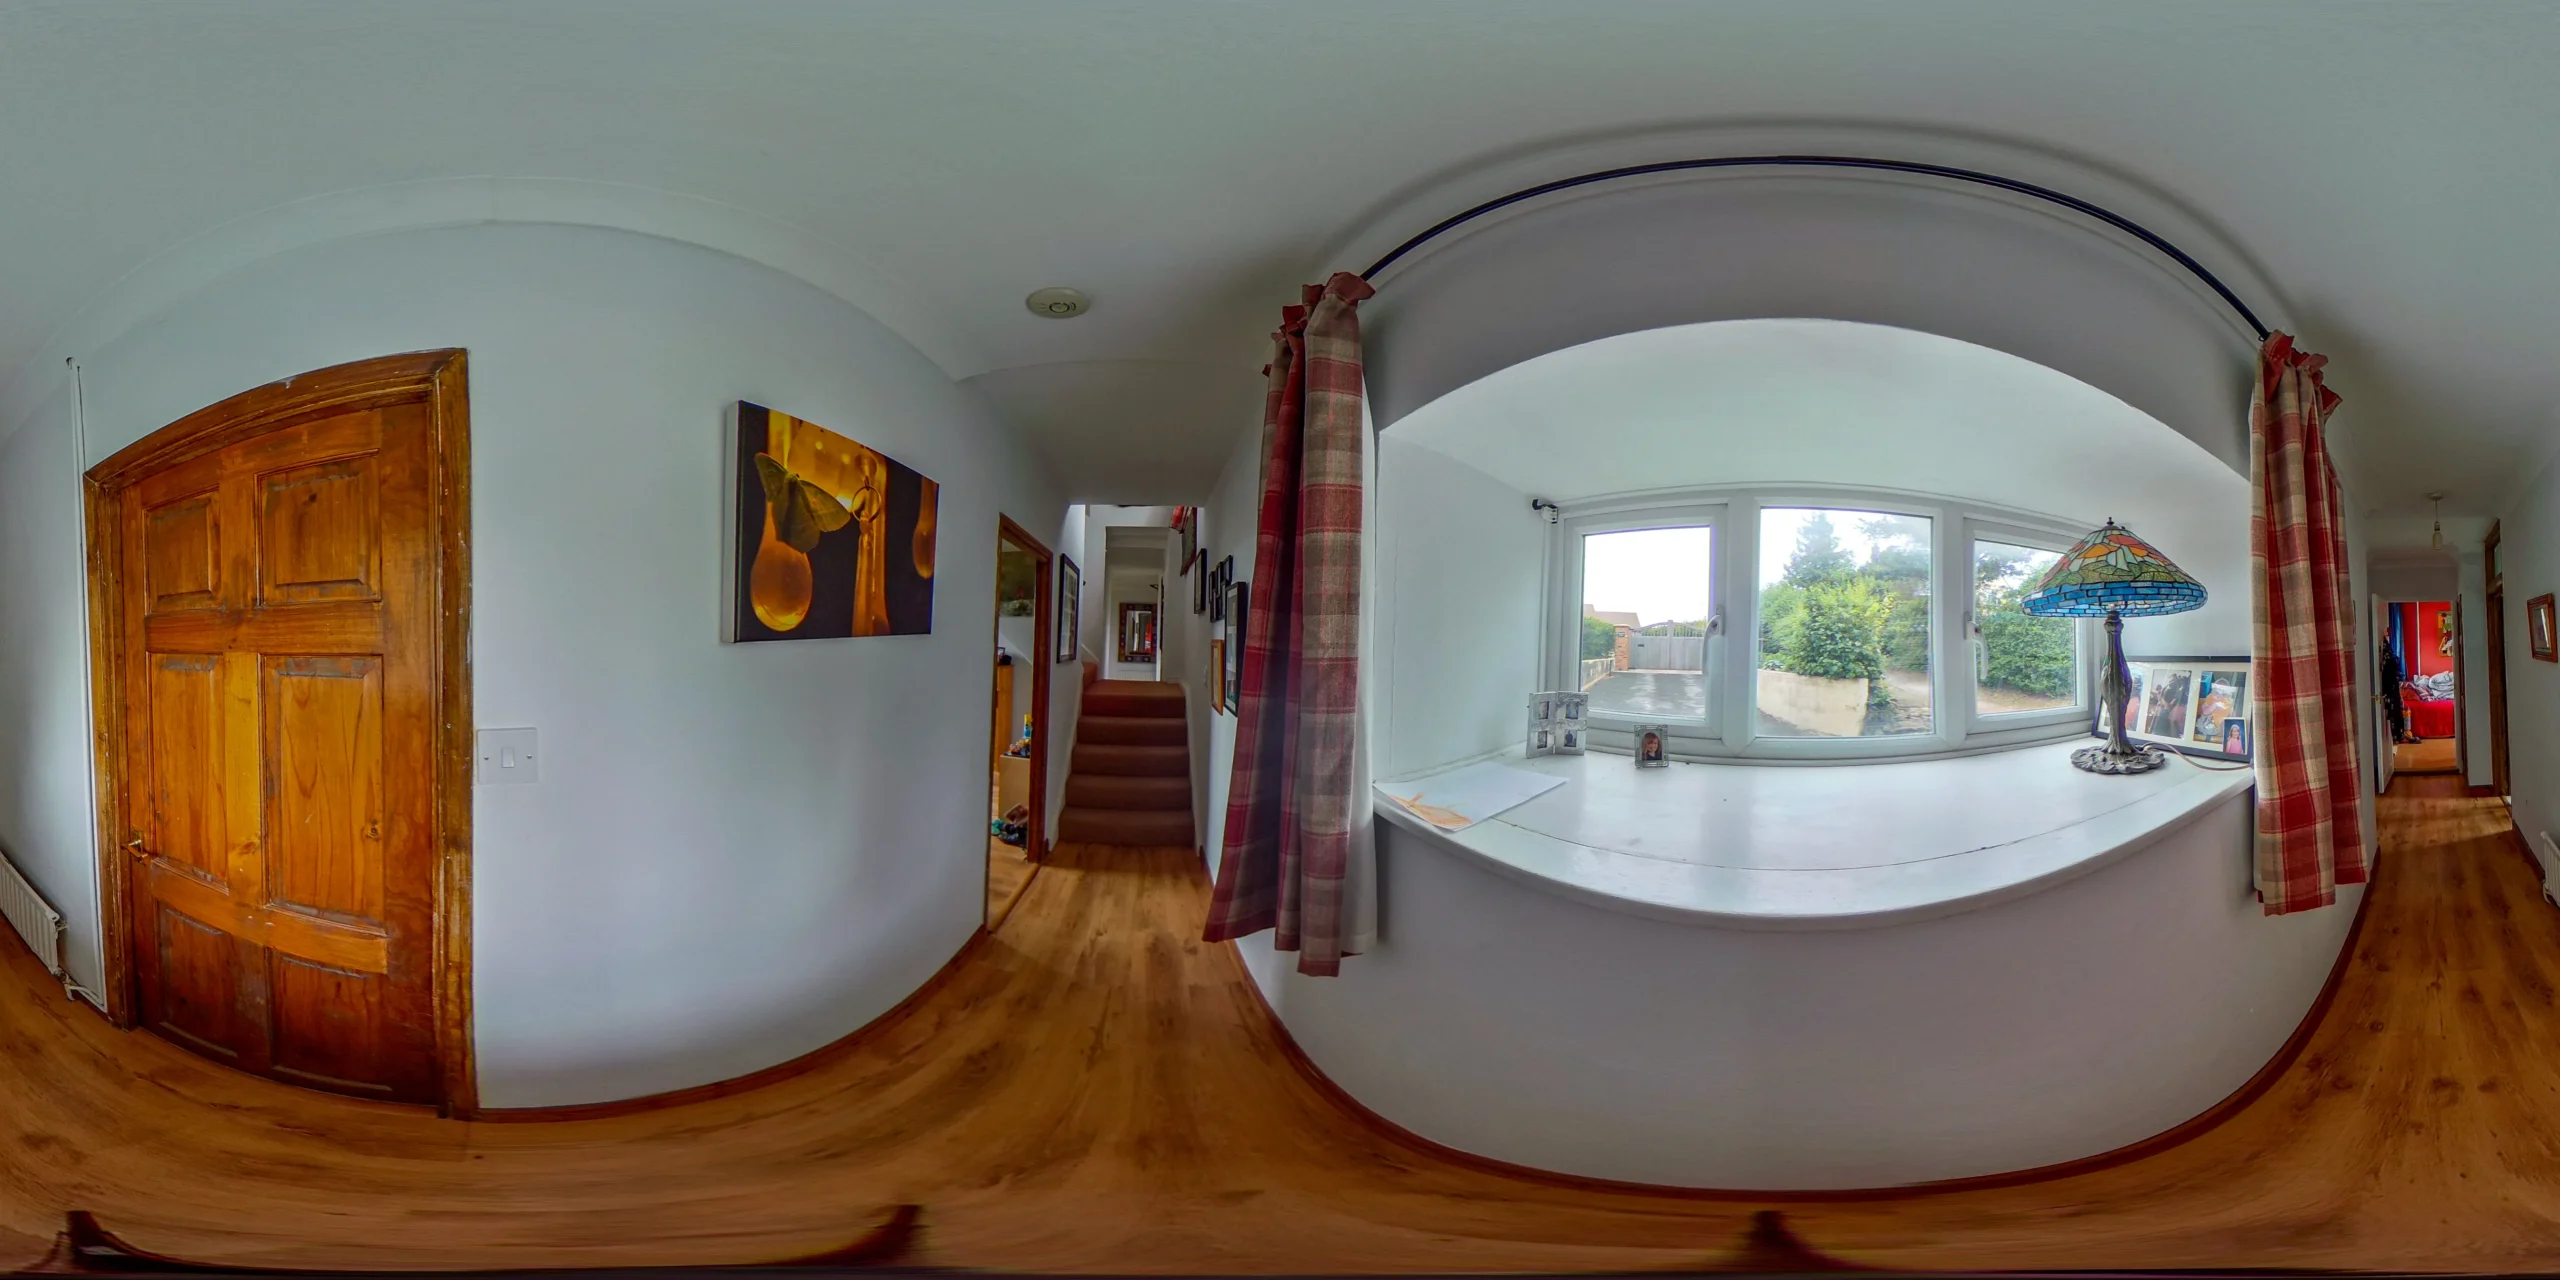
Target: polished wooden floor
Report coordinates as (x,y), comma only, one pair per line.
(1094,1090)
(2427,755)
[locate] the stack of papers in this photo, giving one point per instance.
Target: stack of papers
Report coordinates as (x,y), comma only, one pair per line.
(1461,798)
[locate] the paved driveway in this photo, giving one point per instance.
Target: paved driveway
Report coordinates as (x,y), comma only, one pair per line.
(1647,694)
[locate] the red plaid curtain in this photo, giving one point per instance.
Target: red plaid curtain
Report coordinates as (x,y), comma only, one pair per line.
(1289,804)
(2310,838)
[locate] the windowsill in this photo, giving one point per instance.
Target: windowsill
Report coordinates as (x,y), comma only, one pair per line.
(1841,847)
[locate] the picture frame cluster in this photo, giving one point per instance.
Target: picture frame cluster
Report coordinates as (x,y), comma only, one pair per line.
(1559,723)
(2196,706)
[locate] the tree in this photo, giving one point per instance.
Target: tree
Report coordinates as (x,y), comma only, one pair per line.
(1818,557)
(1599,638)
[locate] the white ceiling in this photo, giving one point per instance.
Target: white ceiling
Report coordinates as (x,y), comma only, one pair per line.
(2391,167)
(1759,401)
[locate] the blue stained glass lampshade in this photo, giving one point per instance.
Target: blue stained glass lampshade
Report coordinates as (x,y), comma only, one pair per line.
(2112,571)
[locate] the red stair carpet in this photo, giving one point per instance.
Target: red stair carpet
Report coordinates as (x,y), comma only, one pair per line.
(1130,781)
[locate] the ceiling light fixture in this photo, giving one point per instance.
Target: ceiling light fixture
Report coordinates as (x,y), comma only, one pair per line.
(1058,303)
(2435,539)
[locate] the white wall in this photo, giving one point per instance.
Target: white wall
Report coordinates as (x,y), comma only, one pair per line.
(2396,579)
(1227,528)
(1504,1020)
(2472,604)
(736,854)
(2529,562)
(47,817)
(1968,264)
(1461,561)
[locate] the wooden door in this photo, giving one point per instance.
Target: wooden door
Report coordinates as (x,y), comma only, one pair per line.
(278,638)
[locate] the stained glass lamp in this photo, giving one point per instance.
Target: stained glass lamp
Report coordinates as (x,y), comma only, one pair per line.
(2114,575)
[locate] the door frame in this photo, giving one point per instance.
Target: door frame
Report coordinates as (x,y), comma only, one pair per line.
(2494,617)
(438,380)
(1044,640)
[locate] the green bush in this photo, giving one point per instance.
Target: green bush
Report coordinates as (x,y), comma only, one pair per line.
(1839,633)
(2022,652)
(1599,638)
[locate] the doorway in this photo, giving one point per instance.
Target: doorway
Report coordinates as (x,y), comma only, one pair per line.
(279,621)
(2421,655)
(1018,733)
(1137,562)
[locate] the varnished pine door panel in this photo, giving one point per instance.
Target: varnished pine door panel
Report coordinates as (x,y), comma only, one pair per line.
(280,737)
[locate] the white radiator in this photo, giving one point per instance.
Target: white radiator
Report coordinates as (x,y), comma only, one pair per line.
(39,924)
(2549,854)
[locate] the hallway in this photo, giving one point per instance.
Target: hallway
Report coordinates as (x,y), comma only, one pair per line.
(1092,1088)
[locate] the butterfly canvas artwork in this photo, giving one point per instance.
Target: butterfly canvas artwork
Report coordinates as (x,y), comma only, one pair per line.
(834,538)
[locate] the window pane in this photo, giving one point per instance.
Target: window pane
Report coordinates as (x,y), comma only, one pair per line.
(1844,623)
(2021,662)
(1646,602)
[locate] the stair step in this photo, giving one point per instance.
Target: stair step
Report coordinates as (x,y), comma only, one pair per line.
(1133,731)
(1130,761)
(1135,699)
(1126,827)
(1120,791)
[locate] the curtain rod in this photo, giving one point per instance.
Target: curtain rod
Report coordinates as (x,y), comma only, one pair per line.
(2046,194)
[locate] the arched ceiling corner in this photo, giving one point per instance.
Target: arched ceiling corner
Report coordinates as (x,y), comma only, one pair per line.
(190,265)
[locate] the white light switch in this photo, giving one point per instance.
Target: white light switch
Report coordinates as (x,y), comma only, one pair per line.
(506,755)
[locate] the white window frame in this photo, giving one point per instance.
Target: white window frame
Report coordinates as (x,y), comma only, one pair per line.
(1730,728)
(1565,644)
(2083,704)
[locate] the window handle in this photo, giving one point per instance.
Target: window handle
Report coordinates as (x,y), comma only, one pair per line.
(1715,623)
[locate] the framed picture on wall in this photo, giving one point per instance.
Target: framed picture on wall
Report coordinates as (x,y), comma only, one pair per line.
(2195,706)
(1070,591)
(1239,596)
(1198,568)
(833,538)
(2537,628)
(1218,676)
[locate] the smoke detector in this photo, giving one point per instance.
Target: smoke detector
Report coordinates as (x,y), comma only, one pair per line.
(1058,303)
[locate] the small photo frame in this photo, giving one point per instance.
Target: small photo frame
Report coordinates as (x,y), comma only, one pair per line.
(1569,740)
(2538,633)
(2197,706)
(1653,746)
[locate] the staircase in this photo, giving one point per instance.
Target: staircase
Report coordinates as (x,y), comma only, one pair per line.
(1130,781)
